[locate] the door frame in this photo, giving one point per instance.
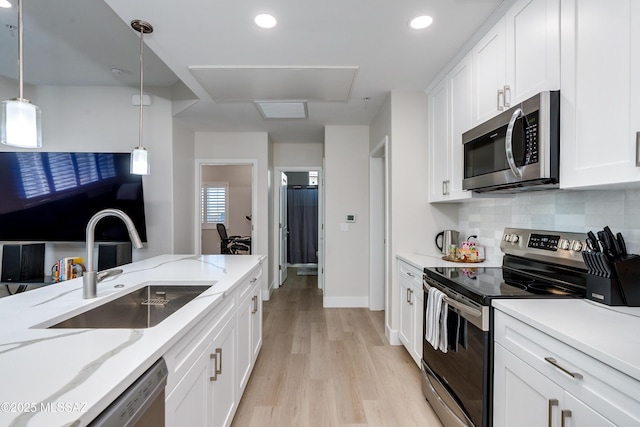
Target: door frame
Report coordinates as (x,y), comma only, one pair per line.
(379,259)
(199,163)
(276,217)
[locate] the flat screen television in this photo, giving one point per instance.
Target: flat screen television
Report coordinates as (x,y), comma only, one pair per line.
(50,197)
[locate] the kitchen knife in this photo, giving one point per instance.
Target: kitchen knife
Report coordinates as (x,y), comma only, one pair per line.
(603,238)
(622,244)
(613,242)
(592,242)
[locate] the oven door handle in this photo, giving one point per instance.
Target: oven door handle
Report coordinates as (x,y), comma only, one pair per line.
(458,305)
(508,143)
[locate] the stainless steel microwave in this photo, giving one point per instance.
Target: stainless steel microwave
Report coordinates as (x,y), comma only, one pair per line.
(517,150)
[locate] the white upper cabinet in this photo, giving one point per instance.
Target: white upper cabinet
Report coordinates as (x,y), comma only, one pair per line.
(600,96)
(489,72)
(517,58)
(449,117)
(532,49)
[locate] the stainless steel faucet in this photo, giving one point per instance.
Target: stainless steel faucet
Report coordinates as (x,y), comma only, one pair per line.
(90,277)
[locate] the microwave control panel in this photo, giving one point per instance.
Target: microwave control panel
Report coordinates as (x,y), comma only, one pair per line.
(531,138)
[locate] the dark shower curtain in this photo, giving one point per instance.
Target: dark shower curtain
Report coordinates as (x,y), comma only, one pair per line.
(302,220)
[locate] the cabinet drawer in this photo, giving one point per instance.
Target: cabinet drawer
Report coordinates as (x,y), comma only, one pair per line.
(185,352)
(246,287)
(410,272)
(608,391)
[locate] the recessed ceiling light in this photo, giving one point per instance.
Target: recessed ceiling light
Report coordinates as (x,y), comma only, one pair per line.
(265,20)
(420,22)
(5,4)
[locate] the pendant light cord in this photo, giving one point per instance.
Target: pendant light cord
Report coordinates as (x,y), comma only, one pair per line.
(20,59)
(141,81)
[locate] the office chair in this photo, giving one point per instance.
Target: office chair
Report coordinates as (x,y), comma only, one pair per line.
(232,245)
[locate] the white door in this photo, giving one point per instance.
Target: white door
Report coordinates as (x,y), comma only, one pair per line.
(284,232)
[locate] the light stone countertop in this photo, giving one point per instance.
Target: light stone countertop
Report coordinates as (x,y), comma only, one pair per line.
(66,377)
(422,261)
(608,334)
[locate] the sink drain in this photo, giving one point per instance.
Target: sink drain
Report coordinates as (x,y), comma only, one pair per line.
(155,301)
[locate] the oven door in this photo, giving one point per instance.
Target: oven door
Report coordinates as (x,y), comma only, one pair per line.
(456,382)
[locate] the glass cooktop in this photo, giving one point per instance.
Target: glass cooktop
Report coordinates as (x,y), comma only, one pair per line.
(482,284)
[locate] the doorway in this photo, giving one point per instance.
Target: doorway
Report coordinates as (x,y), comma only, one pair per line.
(299,222)
(225,195)
(379,262)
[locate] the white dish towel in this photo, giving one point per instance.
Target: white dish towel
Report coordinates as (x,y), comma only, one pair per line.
(436,320)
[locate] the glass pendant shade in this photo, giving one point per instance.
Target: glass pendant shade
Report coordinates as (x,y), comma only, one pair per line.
(20,125)
(140,161)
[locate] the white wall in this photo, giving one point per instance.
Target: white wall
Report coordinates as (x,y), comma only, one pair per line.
(346,151)
(103,119)
(218,147)
(413,221)
(183,184)
(297,154)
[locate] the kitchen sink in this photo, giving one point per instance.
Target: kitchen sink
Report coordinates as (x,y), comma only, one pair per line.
(142,308)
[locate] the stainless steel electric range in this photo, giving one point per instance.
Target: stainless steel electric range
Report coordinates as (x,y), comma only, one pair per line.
(458,383)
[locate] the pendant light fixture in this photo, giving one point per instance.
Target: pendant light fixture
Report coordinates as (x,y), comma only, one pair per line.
(20,125)
(140,156)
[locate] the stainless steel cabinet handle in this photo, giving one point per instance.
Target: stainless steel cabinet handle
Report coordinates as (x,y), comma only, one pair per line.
(507,96)
(500,100)
(408,301)
(565,414)
(410,274)
(216,356)
(410,296)
(637,149)
(253,280)
(552,403)
(508,143)
(445,187)
(255,304)
(554,362)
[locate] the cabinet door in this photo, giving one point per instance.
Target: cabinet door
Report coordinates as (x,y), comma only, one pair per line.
(488,74)
(599,99)
(223,398)
(581,415)
(188,403)
(417,325)
(532,49)
(522,396)
(405,311)
(460,81)
(438,142)
(245,347)
(256,321)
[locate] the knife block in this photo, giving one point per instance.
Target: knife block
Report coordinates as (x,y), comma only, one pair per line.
(623,288)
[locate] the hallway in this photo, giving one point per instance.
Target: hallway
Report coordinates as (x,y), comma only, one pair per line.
(329,367)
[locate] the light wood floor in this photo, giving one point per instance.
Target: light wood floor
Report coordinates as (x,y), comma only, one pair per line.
(329,367)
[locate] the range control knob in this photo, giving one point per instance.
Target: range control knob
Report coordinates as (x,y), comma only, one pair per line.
(564,244)
(576,245)
(515,238)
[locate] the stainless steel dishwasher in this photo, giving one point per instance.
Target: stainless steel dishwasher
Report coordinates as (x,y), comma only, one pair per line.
(141,405)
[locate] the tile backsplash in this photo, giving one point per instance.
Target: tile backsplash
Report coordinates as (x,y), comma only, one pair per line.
(559,210)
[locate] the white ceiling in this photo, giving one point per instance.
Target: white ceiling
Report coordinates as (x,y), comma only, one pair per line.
(77,42)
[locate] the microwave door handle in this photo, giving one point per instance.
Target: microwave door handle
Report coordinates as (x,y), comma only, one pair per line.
(508,142)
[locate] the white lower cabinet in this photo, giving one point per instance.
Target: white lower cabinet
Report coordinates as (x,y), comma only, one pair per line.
(540,381)
(210,366)
(411,309)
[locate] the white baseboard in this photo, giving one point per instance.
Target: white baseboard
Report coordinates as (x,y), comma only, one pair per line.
(392,336)
(345,302)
